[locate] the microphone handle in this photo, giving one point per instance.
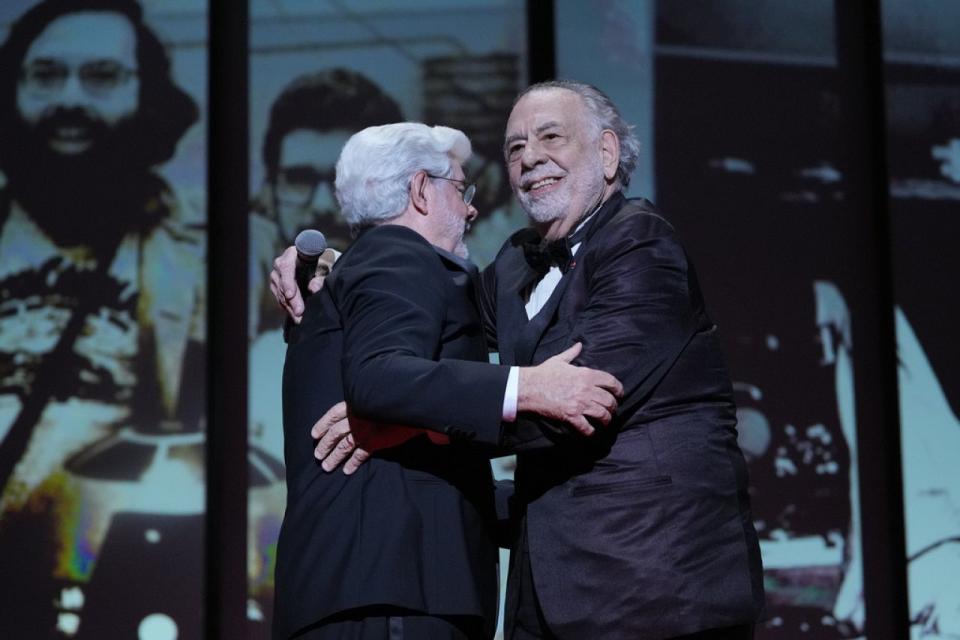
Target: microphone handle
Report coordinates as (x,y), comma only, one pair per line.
(304,273)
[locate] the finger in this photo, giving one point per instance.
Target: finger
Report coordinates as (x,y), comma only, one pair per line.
(332,429)
(296,306)
(321,426)
(315,284)
(598,410)
(331,439)
(604,398)
(326,261)
(334,414)
(285,266)
(571,353)
(327,428)
(357,458)
(341,452)
(599,413)
(608,382)
(617,389)
(580,423)
(277,290)
(287,299)
(275,284)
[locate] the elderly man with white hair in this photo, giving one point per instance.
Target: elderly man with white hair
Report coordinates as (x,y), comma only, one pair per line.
(403,547)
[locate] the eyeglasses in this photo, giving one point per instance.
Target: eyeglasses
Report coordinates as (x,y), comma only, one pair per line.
(469,189)
(99,77)
(297,185)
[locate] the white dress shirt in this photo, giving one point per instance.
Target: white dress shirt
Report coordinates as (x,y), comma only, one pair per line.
(536,300)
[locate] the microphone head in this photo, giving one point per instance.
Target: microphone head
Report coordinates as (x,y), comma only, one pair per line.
(310,243)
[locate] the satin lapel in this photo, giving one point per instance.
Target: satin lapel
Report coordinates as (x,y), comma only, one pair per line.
(530,337)
(514,276)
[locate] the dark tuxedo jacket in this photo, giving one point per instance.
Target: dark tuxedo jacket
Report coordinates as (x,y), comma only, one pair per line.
(396,332)
(644,530)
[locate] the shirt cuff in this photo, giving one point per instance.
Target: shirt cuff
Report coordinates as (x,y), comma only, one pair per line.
(510,395)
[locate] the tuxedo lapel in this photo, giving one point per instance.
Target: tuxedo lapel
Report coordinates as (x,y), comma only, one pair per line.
(528,338)
(514,276)
(532,333)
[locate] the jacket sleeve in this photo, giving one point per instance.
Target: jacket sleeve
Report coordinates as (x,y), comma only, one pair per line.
(390,291)
(642,310)
(640,314)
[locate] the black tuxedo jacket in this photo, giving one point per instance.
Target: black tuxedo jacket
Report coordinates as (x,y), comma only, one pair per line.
(396,332)
(644,530)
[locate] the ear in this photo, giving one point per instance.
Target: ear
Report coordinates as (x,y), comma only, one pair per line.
(610,153)
(417,196)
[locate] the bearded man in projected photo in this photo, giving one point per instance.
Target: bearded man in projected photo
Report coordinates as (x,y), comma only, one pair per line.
(309,123)
(101,311)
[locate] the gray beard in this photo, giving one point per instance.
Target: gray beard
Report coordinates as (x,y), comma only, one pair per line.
(554,206)
(456,227)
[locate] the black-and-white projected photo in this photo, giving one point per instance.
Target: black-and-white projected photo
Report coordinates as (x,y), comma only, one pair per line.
(102,318)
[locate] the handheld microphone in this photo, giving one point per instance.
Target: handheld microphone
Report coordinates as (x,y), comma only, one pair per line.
(310,244)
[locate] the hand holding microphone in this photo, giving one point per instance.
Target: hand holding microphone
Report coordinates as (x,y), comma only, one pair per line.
(311,247)
(300,270)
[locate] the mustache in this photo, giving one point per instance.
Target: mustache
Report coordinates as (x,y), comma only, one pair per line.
(70,118)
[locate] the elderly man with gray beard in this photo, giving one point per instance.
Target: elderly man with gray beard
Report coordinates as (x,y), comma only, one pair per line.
(404,547)
(645,530)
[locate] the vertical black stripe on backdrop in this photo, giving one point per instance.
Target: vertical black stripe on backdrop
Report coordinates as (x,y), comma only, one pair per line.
(227,153)
(861,81)
(541,41)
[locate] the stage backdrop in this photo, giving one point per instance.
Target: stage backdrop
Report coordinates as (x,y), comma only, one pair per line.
(102,332)
(749,153)
(922,64)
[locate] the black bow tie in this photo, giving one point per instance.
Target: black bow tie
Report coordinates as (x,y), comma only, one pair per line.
(542,254)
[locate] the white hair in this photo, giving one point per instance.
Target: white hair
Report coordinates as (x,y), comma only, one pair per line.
(377,164)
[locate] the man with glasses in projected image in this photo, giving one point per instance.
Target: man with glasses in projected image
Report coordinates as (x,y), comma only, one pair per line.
(645,529)
(101,290)
(309,123)
(404,548)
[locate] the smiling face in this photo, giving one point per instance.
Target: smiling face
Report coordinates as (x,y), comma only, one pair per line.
(75,86)
(556,158)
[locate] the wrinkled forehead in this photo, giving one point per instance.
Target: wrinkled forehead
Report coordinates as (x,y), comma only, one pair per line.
(84,36)
(552,105)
